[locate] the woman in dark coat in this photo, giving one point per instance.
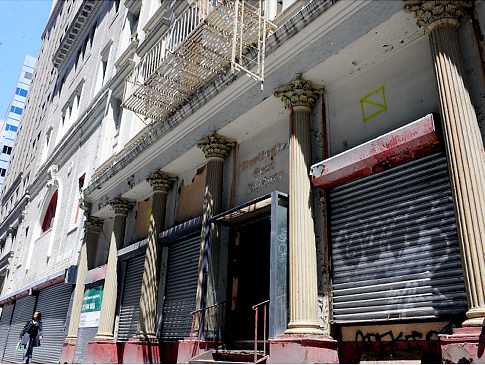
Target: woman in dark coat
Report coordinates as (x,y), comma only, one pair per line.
(31,335)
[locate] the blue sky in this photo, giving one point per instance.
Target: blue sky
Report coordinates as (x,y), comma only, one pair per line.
(21,25)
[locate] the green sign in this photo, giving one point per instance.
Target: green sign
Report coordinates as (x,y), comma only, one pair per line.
(92,299)
(91,308)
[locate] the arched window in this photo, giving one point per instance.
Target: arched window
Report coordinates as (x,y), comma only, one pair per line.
(50,213)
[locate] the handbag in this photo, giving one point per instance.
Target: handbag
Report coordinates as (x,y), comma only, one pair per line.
(19,347)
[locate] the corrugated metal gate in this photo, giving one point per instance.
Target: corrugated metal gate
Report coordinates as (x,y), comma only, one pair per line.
(394,246)
(7,312)
(23,311)
(181,288)
(53,303)
(130,302)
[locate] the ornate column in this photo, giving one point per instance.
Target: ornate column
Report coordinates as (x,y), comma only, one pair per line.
(161,184)
(93,226)
(299,96)
(216,148)
(121,207)
(463,142)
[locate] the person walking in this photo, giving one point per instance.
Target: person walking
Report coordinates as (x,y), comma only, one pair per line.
(31,335)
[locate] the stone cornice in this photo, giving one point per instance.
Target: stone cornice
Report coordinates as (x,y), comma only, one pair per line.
(161,181)
(71,39)
(428,12)
(298,92)
(94,224)
(216,146)
(122,205)
(12,188)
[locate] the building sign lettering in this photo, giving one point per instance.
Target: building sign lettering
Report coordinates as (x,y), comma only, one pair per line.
(263,163)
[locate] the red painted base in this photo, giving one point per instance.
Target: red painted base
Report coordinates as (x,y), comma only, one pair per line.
(67,354)
(138,351)
(169,352)
(102,352)
(189,348)
(466,345)
(301,349)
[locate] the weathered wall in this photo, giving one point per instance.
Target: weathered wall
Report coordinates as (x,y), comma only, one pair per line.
(402,84)
(262,165)
(191,197)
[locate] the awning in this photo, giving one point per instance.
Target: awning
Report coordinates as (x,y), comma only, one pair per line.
(254,208)
(403,144)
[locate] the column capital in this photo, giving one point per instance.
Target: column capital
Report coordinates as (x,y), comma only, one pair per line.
(122,205)
(298,93)
(161,181)
(430,13)
(216,146)
(94,224)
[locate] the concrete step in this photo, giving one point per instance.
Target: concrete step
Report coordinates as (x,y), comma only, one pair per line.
(228,357)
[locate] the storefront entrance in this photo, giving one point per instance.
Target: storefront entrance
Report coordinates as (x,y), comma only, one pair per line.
(257,268)
(248,276)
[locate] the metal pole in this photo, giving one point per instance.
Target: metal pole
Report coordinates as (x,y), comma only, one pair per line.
(256,335)
(264,330)
(234,36)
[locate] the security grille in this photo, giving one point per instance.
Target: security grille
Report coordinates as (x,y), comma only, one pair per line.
(24,308)
(181,288)
(395,251)
(130,302)
(53,303)
(5,327)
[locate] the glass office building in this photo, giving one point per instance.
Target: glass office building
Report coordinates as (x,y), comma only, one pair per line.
(11,119)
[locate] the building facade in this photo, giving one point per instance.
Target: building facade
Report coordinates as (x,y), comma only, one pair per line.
(13,114)
(330,202)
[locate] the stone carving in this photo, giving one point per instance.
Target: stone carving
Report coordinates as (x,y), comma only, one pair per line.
(430,11)
(52,177)
(216,146)
(85,205)
(122,205)
(161,181)
(94,224)
(298,92)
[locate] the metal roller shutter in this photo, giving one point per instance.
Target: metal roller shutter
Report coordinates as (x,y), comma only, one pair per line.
(130,302)
(5,327)
(395,251)
(53,303)
(24,308)
(181,288)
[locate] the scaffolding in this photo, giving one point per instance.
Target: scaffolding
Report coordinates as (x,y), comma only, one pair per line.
(207,38)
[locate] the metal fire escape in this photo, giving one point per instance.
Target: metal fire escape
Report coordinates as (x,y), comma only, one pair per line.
(205,39)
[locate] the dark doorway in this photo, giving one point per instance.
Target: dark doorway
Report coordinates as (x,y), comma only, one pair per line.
(249,276)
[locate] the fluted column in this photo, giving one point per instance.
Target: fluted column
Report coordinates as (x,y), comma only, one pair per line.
(93,226)
(215,148)
(121,207)
(299,96)
(161,184)
(463,142)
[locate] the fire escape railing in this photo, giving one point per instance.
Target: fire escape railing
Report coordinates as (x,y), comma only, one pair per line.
(201,43)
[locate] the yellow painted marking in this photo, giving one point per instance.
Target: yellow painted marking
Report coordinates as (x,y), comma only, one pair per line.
(382,105)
